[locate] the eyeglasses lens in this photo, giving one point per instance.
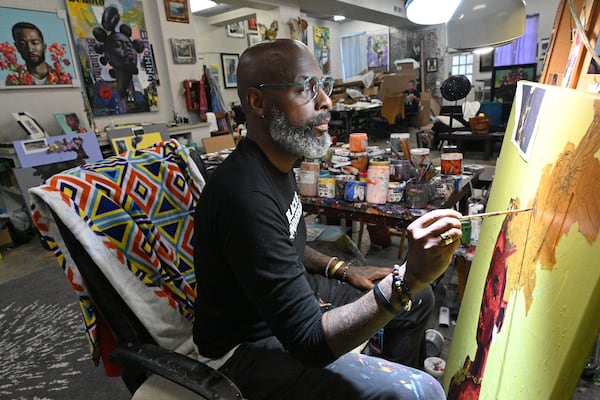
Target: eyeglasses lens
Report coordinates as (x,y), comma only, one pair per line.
(313,84)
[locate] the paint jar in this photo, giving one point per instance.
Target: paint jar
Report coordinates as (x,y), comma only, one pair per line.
(395,192)
(434,342)
(417,195)
(401,170)
(378,177)
(360,160)
(326,188)
(340,185)
(451,163)
(465,228)
(396,141)
(355,191)
(435,367)
(420,156)
(358,142)
(309,178)
(444,187)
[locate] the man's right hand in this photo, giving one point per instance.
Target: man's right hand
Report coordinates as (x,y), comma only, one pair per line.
(428,253)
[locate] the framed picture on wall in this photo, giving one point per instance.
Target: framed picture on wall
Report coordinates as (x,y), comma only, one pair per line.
(184,51)
(236,29)
(54,67)
(253,38)
(431,64)
(229,62)
(486,61)
(505,78)
(177,11)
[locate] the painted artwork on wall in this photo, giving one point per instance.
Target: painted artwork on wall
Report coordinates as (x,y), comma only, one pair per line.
(35,50)
(322,44)
(529,316)
(115,55)
(504,80)
(378,46)
(142,141)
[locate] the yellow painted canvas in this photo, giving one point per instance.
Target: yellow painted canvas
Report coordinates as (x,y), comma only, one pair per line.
(531,309)
(142,141)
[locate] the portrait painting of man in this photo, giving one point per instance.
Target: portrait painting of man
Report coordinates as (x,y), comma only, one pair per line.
(35,49)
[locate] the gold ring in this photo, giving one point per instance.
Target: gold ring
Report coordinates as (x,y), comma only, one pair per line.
(446,238)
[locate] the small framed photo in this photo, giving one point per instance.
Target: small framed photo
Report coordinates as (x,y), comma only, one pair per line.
(253,38)
(30,125)
(184,51)
(69,123)
(230,62)
(177,11)
(252,25)
(431,65)
(236,29)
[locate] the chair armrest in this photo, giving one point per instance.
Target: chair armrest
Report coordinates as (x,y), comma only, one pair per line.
(178,368)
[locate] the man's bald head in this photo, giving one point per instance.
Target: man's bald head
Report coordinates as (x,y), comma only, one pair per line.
(271,61)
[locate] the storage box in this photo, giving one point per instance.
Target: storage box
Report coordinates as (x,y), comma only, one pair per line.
(480,124)
(5,238)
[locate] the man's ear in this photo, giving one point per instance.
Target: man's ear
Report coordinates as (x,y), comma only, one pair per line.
(256,101)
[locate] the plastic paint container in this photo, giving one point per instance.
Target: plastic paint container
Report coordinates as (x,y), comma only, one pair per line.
(309,178)
(378,177)
(358,142)
(360,160)
(355,191)
(435,367)
(326,188)
(451,163)
(420,156)
(395,192)
(434,341)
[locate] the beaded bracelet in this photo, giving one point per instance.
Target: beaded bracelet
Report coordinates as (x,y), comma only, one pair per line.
(329,265)
(400,286)
(346,269)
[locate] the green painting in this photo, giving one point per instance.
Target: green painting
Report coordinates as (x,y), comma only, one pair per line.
(529,316)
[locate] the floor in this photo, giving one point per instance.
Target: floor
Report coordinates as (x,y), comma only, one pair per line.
(27,258)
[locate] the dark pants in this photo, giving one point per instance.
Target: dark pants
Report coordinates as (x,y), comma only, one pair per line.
(265,370)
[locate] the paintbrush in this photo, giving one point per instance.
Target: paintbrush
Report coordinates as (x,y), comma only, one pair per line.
(491,214)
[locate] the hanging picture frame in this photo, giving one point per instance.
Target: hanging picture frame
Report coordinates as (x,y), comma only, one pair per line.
(236,29)
(56,68)
(431,64)
(229,63)
(253,38)
(184,51)
(177,11)
(69,123)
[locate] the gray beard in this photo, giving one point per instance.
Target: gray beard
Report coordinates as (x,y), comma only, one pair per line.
(299,140)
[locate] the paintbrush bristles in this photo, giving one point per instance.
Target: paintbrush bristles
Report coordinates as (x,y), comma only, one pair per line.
(491,214)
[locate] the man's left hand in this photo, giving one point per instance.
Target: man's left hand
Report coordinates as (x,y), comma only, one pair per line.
(364,277)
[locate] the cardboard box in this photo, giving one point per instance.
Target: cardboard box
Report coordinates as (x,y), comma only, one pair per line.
(423,117)
(395,84)
(5,238)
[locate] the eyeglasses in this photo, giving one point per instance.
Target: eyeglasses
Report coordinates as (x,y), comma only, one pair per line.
(311,86)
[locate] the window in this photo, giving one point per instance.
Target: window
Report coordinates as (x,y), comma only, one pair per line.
(354,54)
(462,64)
(522,50)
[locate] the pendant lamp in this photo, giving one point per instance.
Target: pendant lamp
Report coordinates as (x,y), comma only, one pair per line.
(430,12)
(481,23)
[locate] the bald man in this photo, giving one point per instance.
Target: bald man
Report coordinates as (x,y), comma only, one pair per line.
(260,289)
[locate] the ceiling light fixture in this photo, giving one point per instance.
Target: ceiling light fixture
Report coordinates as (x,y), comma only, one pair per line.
(483,50)
(482,23)
(338,18)
(430,12)
(199,5)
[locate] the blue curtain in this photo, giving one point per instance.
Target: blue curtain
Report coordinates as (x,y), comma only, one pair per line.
(522,50)
(354,54)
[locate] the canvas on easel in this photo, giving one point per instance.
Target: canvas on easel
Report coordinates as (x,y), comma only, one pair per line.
(529,315)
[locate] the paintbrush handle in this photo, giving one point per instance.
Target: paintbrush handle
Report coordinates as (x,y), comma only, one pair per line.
(491,214)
